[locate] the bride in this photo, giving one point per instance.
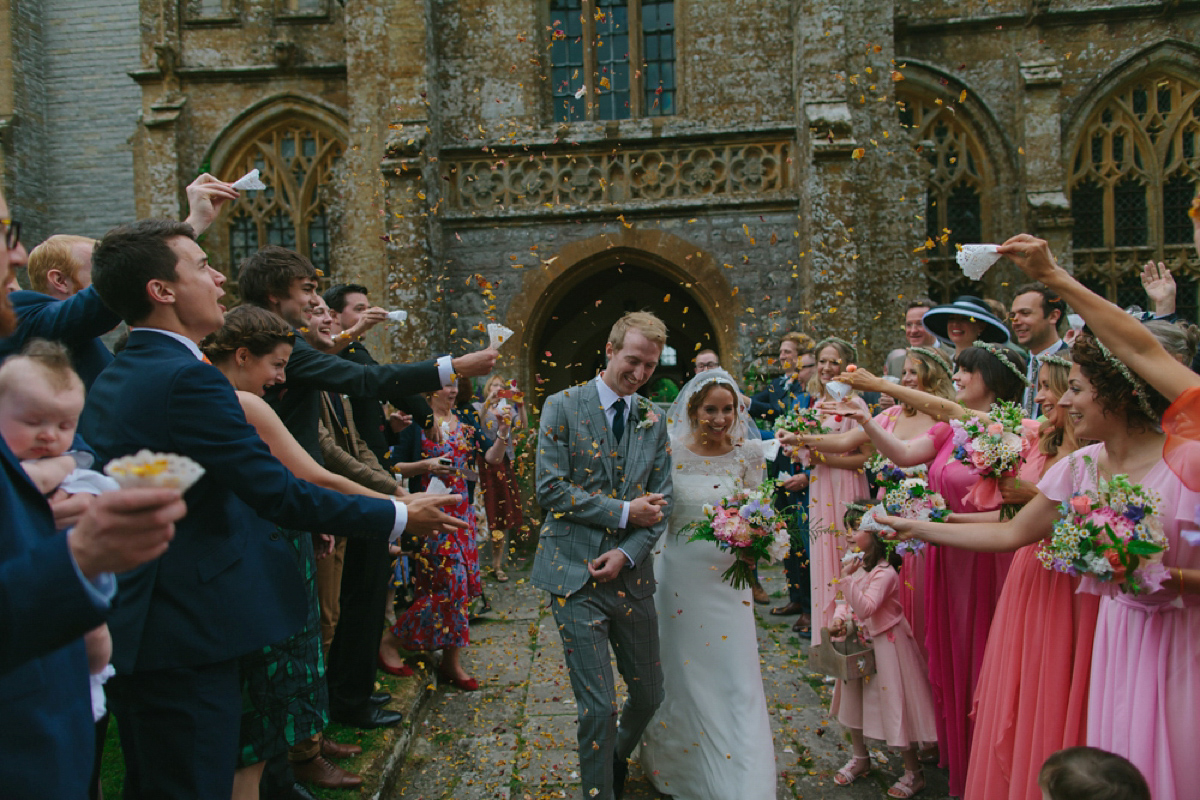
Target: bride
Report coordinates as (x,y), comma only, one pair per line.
(711,737)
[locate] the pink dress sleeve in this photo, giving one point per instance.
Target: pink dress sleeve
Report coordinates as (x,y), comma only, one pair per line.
(867,595)
(1067,475)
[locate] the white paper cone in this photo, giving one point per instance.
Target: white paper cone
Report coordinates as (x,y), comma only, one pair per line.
(838,391)
(770,449)
(976,259)
(852,555)
(497,334)
(249,181)
(398,316)
(868,523)
(437,487)
(145,469)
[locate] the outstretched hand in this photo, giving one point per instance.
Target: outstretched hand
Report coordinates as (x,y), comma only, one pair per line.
(1032,256)
(477,364)
(206,195)
(862,380)
(852,410)
(425,515)
(904,528)
(1160,287)
(124,529)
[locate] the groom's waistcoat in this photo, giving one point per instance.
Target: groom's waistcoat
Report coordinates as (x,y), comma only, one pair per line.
(584,476)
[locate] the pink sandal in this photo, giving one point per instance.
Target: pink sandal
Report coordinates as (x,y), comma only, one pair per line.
(908,785)
(849,774)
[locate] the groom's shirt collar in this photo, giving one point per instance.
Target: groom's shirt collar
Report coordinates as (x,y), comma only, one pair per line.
(608,397)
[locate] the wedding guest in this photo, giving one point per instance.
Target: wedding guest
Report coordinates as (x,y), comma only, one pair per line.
(1088,773)
(503,414)
(960,324)
(837,478)
(895,705)
(1036,316)
(706,360)
(915,335)
(784,393)
(446,570)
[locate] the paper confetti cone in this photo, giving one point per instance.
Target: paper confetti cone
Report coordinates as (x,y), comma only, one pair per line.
(147,470)
(249,181)
(976,259)
(497,334)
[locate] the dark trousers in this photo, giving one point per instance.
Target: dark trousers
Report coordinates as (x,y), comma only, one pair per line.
(350,672)
(795,569)
(179,730)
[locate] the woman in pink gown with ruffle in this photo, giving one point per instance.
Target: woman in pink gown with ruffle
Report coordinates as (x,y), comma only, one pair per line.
(834,481)
(961,587)
(1031,700)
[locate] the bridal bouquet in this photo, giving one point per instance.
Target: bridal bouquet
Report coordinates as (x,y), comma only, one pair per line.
(888,475)
(1112,534)
(747,525)
(992,449)
(802,422)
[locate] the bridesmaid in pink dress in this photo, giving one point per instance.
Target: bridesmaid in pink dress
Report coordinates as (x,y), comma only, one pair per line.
(1033,687)
(925,370)
(961,586)
(1145,672)
(835,480)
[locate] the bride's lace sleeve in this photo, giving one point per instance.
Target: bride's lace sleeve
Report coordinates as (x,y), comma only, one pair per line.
(752,463)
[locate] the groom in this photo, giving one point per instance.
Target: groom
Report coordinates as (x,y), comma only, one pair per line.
(604,479)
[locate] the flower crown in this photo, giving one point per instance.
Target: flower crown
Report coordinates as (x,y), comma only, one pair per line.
(1140,390)
(1002,356)
(1057,361)
(934,356)
(839,340)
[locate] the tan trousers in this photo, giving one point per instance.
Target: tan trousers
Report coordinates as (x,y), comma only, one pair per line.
(329,591)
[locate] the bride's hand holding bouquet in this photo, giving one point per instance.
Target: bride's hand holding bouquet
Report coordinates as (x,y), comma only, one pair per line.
(747,525)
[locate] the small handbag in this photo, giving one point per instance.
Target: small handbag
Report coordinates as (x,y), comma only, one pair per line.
(845,660)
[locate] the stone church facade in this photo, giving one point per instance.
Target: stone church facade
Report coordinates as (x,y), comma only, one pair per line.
(743,167)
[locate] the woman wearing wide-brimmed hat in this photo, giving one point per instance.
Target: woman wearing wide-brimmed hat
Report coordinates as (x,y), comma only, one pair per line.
(963,322)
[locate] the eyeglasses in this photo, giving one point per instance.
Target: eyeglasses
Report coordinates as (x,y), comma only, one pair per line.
(12,233)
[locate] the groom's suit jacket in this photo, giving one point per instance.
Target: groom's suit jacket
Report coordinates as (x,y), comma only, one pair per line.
(583,478)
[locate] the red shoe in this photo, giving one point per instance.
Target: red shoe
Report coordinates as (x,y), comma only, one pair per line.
(466,684)
(403,671)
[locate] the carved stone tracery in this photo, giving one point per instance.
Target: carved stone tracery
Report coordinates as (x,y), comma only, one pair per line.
(592,177)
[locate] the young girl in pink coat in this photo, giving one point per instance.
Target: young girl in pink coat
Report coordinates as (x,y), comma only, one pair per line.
(895,705)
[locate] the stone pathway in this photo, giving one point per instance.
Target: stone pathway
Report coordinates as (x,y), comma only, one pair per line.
(516,737)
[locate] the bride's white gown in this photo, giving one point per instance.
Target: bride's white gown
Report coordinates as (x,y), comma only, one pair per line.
(711,737)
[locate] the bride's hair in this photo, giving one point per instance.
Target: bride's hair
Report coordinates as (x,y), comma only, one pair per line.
(697,398)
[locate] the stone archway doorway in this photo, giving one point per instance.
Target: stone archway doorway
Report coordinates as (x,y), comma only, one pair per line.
(568,341)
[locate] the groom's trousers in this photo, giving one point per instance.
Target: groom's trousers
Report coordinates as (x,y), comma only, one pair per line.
(589,620)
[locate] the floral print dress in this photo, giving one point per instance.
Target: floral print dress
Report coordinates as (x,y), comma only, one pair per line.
(446,569)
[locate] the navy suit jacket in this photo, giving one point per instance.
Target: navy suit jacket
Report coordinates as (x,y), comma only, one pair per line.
(77,322)
(47,733)
(228,584)
(310,372)
(776,399)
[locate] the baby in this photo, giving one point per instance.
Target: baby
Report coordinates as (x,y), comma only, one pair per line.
(41,399)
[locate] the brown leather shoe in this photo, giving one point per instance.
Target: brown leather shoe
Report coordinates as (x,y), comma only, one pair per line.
(319,771)
(332,749)
(760,594)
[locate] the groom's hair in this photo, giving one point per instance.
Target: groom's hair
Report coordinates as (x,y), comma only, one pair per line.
(644,323)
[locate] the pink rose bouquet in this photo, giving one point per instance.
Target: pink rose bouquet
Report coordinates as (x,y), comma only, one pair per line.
(747,525)
(804,422)
(992,449)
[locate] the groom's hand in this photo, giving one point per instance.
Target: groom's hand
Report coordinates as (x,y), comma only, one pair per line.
(646,511)
(608,565)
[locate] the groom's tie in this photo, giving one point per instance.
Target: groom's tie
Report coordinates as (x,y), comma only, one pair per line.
(619,418)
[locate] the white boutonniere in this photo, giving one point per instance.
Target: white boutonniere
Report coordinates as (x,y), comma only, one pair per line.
(649,414)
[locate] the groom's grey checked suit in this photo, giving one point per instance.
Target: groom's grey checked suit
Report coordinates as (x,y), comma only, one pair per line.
(584,477)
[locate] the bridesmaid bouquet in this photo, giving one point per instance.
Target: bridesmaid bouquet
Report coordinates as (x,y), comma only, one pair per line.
(803,422)
(746,524)
(912,498)
(888,475)
(1112,534)
(992,450)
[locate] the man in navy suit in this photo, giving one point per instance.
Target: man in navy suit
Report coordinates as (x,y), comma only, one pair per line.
(786,392)
(229,583)
(53,589)
(64,308)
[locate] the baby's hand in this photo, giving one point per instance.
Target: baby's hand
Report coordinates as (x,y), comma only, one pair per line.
(48,473)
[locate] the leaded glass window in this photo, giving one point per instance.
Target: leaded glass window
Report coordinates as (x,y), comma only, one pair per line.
(1134,172)
(612,59)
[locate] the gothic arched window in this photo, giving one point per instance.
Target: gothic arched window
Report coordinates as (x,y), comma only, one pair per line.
(956,190)
(1133,174)
(294,159)
(599,71)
